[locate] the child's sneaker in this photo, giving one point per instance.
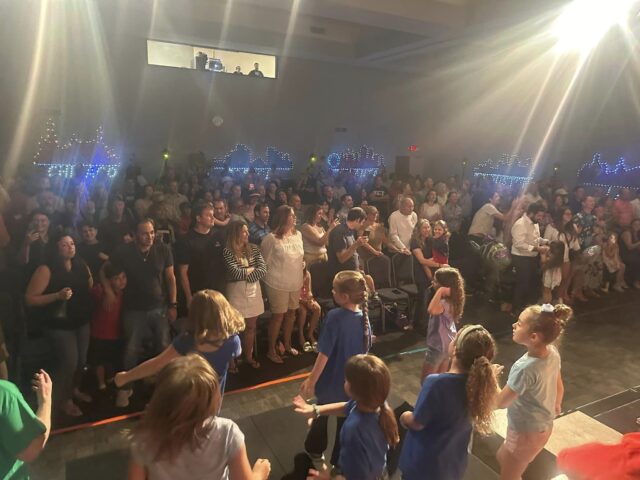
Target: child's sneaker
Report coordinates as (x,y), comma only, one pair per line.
(122,398)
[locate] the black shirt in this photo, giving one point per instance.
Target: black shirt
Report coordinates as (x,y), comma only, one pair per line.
(75,312)
(89,253)
(111,233)
(146,287)
(203,254)
(418,271)
(341,238)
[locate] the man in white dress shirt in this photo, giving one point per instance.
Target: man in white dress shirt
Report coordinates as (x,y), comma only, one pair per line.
(401,224)
(527,244)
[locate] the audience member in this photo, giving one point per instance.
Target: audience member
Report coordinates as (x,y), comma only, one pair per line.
(314,236)
(259,228)
(149,302)
(91,250)
(199,254)
(308,308)
(452,213)
(59,291)
(343,246)
(283,253)
(401,224)
(116,229)
(630,251)
(245,269)
(483,221)
(527,245)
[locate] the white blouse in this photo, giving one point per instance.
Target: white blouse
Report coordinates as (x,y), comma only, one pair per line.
(284,258)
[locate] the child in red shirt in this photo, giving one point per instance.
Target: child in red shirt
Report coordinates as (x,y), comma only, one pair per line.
(105,348)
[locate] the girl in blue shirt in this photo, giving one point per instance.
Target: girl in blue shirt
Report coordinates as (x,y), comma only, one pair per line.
(370,426)
(346,332)
(449,406)
(213,333)
(534,390)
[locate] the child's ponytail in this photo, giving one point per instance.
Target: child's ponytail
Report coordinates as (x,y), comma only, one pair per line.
(547,320)
(481,388)
(354,284)
(388,424)
(475,349)
(369,384)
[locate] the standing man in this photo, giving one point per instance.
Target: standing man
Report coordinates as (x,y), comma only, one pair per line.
(623,208)
(401,225)
(199,254)
(526,246)
(148,307)
(347,204)
(343,246)
(116,228)
(484,219)
(259,228)
(256,71)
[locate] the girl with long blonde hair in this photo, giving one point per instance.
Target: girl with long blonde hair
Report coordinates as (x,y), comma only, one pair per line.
(370,427)
(180,436)
(213,331)
(450,405)
(346,332)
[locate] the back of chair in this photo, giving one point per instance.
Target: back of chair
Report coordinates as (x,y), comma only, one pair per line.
(403,269)
(321,281)
(380,270)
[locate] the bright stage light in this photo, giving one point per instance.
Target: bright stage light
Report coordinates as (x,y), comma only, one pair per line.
(583,23)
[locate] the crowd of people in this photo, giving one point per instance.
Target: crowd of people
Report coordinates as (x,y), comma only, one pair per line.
(112,272)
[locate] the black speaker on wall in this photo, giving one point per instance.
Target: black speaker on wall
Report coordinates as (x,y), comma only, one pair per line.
(403,166)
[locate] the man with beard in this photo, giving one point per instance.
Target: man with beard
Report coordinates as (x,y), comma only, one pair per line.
(526,247)
(148,306)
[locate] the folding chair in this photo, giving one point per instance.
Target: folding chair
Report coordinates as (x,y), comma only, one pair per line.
(321,284)
(380,270)
(403,276)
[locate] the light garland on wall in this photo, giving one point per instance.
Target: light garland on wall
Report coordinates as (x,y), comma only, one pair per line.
(93,155)
(241,159)
(508,169)
(362,163)
(597,173)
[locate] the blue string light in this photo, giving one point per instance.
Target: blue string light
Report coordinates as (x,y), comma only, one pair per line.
(240,159)
(600,174)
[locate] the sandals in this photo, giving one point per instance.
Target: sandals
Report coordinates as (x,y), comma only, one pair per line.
(252,363)
(275,358)
(291,352)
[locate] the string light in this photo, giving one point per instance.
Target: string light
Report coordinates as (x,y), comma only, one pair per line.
(63,159)
(362,163)
(598,173)
(241,159)
(509,169)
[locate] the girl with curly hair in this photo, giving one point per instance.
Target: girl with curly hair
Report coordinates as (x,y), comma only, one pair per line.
(449,406)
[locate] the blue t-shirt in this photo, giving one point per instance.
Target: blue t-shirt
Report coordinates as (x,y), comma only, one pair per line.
(363,448)
(535,380)
(219,360)
(341,338)
(439,450)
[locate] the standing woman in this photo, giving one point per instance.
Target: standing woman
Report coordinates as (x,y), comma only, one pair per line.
(314,236)
(284,255)
(61,291)
(245,269)
(431,209)
(423,263)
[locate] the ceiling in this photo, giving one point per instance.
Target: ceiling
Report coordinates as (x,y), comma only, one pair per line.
(388,34)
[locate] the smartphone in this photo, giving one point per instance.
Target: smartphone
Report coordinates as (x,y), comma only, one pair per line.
(366,233)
